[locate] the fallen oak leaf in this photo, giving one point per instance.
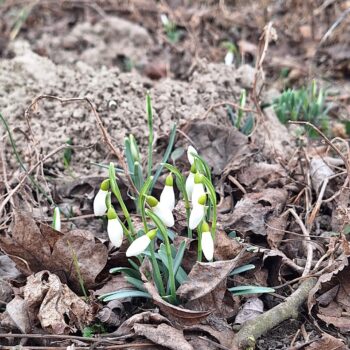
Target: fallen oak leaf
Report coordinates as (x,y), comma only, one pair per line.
(327,342)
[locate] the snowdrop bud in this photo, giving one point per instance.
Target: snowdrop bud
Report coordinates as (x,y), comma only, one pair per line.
(100,206)
(56,224)
(164,19)
(207,242)
(167,197)
(114,228)
(197,213)
(229,58)
(190,157)
(134,149)
(161,210)
(140,244)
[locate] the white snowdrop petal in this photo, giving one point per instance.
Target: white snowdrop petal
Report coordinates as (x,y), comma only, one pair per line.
(190,157)
(164,19)
(229,58)
(115,232)
(100,207)
(164,214)
(196,216)
(198,191)
(138,246)
(207,245)
(57,214)
(190,185)
(167,197)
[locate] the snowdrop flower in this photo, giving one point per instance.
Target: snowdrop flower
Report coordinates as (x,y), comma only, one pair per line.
(198,189)
(100,206)
(114,228)
(167,197)
(198,212)
(190,157)
(190,181)
(56,222)
(207,242)
(139,245)
(229,58)
(161,210)
(165,20)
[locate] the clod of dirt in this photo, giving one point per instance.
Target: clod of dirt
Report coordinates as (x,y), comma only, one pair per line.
(51,124)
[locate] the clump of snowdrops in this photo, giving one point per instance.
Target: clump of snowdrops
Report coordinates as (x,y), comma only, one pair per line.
(154,241)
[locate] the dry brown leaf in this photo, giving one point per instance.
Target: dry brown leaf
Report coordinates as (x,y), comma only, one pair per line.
(146,317)
(34,249)
(319,171)
(275,230)
(18,311)
(58,309)
(252,211)
(8,270)
(327,342)
(226,248)
(116,283)
(176,313)
(258,175)
(222,147)
(164,335)
(204,278)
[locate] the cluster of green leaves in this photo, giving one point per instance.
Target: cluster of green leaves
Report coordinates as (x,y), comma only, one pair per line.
(304,104)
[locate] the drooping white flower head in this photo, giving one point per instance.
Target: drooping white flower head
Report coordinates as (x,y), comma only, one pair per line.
(190,182)
(167,197)
(114,228)
(161,210)
(198,189)
(198,212)
(164,18)
(139,245)
(229,58)
(207,242)
(56,224)
(100,206)
(190,157)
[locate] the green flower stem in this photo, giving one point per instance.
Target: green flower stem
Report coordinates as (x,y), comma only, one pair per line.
(182,187)
(212,196)
(116,192)
(157,276)
(142,199)
(164,233)
(150,131)
(199,251)
(126,232)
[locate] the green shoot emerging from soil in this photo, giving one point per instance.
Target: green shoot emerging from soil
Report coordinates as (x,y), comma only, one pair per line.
(305,104)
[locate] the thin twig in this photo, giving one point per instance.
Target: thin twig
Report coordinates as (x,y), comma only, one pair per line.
(309,248)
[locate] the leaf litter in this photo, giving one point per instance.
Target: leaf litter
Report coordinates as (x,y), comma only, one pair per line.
(258,177)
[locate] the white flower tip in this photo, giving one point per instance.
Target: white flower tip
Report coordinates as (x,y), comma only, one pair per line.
(207,245)
(100,206)
(138,246)
(191,150)
(115,232)
(229,58)
(167,197)
(196,216)
(57,219)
